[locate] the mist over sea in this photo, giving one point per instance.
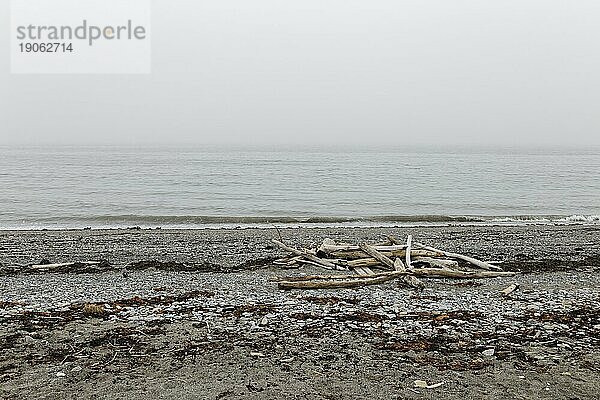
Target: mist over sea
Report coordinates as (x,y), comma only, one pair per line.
(76,187)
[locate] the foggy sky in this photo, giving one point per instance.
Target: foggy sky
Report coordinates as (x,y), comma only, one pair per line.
(367,72)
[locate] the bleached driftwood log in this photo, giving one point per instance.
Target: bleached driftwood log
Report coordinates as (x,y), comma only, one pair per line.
(363,271)
(308,256)
(337,281)
(304,261)
(408,248)
(451,273)
(370,250)
(399,265)
(287,261)
(329,246)
(470,260)
(350,281)
(365,262)
(410,280)
(335,284)
(429,272)
(437,262)
(355,254)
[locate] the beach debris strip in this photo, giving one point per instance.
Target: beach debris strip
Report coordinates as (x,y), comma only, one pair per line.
(370,264)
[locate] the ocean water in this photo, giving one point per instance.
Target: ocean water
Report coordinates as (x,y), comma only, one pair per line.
(76,187)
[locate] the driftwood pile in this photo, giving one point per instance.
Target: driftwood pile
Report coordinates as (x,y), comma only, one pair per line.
(372,264)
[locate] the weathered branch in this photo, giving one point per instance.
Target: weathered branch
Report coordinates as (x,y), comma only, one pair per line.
(328,247)
(471,260)
(349,281)
(370,250)
(429,272)
(399,265)
(308,256)
(363,271)
(408,244)
(287,261)
(452,273)
(437,262)
(365,262)
(332,277)
(410,280)
(354,254)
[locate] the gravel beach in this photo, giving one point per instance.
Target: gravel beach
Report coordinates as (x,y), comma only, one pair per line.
(194,314)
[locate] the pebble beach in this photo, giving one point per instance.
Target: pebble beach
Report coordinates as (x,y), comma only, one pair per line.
(220,328)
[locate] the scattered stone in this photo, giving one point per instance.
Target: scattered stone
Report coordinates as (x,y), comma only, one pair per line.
(488,352)
(420,384)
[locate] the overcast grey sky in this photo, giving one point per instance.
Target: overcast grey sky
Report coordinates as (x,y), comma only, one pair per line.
(332,71)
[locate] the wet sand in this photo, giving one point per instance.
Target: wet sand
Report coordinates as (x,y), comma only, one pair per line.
(221,330)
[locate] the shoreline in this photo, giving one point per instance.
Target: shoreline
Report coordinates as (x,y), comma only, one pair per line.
(275,222)
(233,247)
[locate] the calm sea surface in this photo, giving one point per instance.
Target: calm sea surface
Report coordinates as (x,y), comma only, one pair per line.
(117,187)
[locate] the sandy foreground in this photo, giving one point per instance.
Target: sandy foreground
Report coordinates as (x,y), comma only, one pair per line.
(205,322)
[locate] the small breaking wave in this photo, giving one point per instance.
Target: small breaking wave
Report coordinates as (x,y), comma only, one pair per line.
(582,218)
(199,222)
(545,219)
(228,222)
